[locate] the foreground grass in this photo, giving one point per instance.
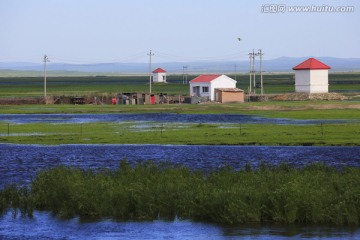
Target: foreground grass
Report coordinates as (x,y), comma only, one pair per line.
(341,134)
(314,194)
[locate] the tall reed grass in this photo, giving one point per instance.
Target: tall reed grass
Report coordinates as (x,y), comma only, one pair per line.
(315,194)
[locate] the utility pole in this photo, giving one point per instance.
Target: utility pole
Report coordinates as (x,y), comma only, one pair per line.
(254,71)
(261,75)
(252,82)
(150,54)
(185,75)
(45,60)
(250,73)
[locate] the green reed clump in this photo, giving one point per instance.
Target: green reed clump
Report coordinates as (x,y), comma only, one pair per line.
(17,198)
(283,194)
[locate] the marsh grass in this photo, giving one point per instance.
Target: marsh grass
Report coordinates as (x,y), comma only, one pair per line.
(342,134)
(315,194)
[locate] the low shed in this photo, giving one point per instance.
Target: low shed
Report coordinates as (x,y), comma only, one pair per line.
(229,95)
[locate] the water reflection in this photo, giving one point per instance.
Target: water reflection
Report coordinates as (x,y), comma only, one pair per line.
(154,117)
(19,163)
(44,226)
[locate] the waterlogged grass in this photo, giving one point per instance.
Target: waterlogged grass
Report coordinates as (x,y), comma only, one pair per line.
(344,134)
(315,194)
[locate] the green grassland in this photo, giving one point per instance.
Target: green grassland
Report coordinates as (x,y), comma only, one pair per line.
(330,134)
(273,109)
(315,194)
(344,134)
(110,85)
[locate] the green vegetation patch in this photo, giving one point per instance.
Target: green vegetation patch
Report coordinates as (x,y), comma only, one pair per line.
(314,194)
(110,85)
(341,134)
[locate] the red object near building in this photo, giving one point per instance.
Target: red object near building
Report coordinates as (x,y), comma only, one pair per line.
(114,101)
(152,99)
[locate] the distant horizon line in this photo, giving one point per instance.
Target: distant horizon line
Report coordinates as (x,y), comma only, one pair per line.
(159,62)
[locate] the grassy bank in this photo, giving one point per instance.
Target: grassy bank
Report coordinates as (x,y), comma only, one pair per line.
(342,134)
(281,109)
(314,194)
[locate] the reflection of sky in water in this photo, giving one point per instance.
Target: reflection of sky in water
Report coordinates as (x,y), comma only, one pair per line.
(153,117)
(45,226)
(21,162)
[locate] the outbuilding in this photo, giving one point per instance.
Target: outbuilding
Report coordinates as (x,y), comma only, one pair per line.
(159,75)
(311,76)
(229,95)
(205,85)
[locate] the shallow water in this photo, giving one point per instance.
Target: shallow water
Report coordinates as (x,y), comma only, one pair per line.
(19,163)
(45,226)
(154,117)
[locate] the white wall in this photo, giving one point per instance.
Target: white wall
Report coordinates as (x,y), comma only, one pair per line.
(302,81)
(311,81)
(158,77)
(221,82)
(319,81)
(200,84)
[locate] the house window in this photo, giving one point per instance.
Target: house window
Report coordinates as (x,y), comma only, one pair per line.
(205,89)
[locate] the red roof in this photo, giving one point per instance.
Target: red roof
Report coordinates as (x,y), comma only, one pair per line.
(159,70)
(205,78)
(311,63)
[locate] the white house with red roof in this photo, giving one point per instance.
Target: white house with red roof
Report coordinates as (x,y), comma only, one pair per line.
(159,75)
(205,85)
(311,76)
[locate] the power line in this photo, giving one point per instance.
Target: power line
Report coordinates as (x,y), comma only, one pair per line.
(221,57)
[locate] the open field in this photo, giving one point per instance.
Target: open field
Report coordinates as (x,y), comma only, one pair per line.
(278,109)
(322,133)
(315,194)
(110,85)
(335,134)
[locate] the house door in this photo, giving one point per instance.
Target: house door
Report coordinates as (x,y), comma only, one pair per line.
(217,96)
(196,91)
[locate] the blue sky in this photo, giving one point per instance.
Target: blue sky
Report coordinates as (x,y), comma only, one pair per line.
(90,31)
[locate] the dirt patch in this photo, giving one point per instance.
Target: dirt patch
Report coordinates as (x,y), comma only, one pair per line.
(22,100)
(309,96)
(306,107)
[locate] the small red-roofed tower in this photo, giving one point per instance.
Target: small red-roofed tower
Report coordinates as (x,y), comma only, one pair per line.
(311,76)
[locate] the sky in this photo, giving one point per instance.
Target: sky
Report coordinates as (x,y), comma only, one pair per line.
(96,31)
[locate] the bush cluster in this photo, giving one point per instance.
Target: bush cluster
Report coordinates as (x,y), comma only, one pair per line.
(314,194)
